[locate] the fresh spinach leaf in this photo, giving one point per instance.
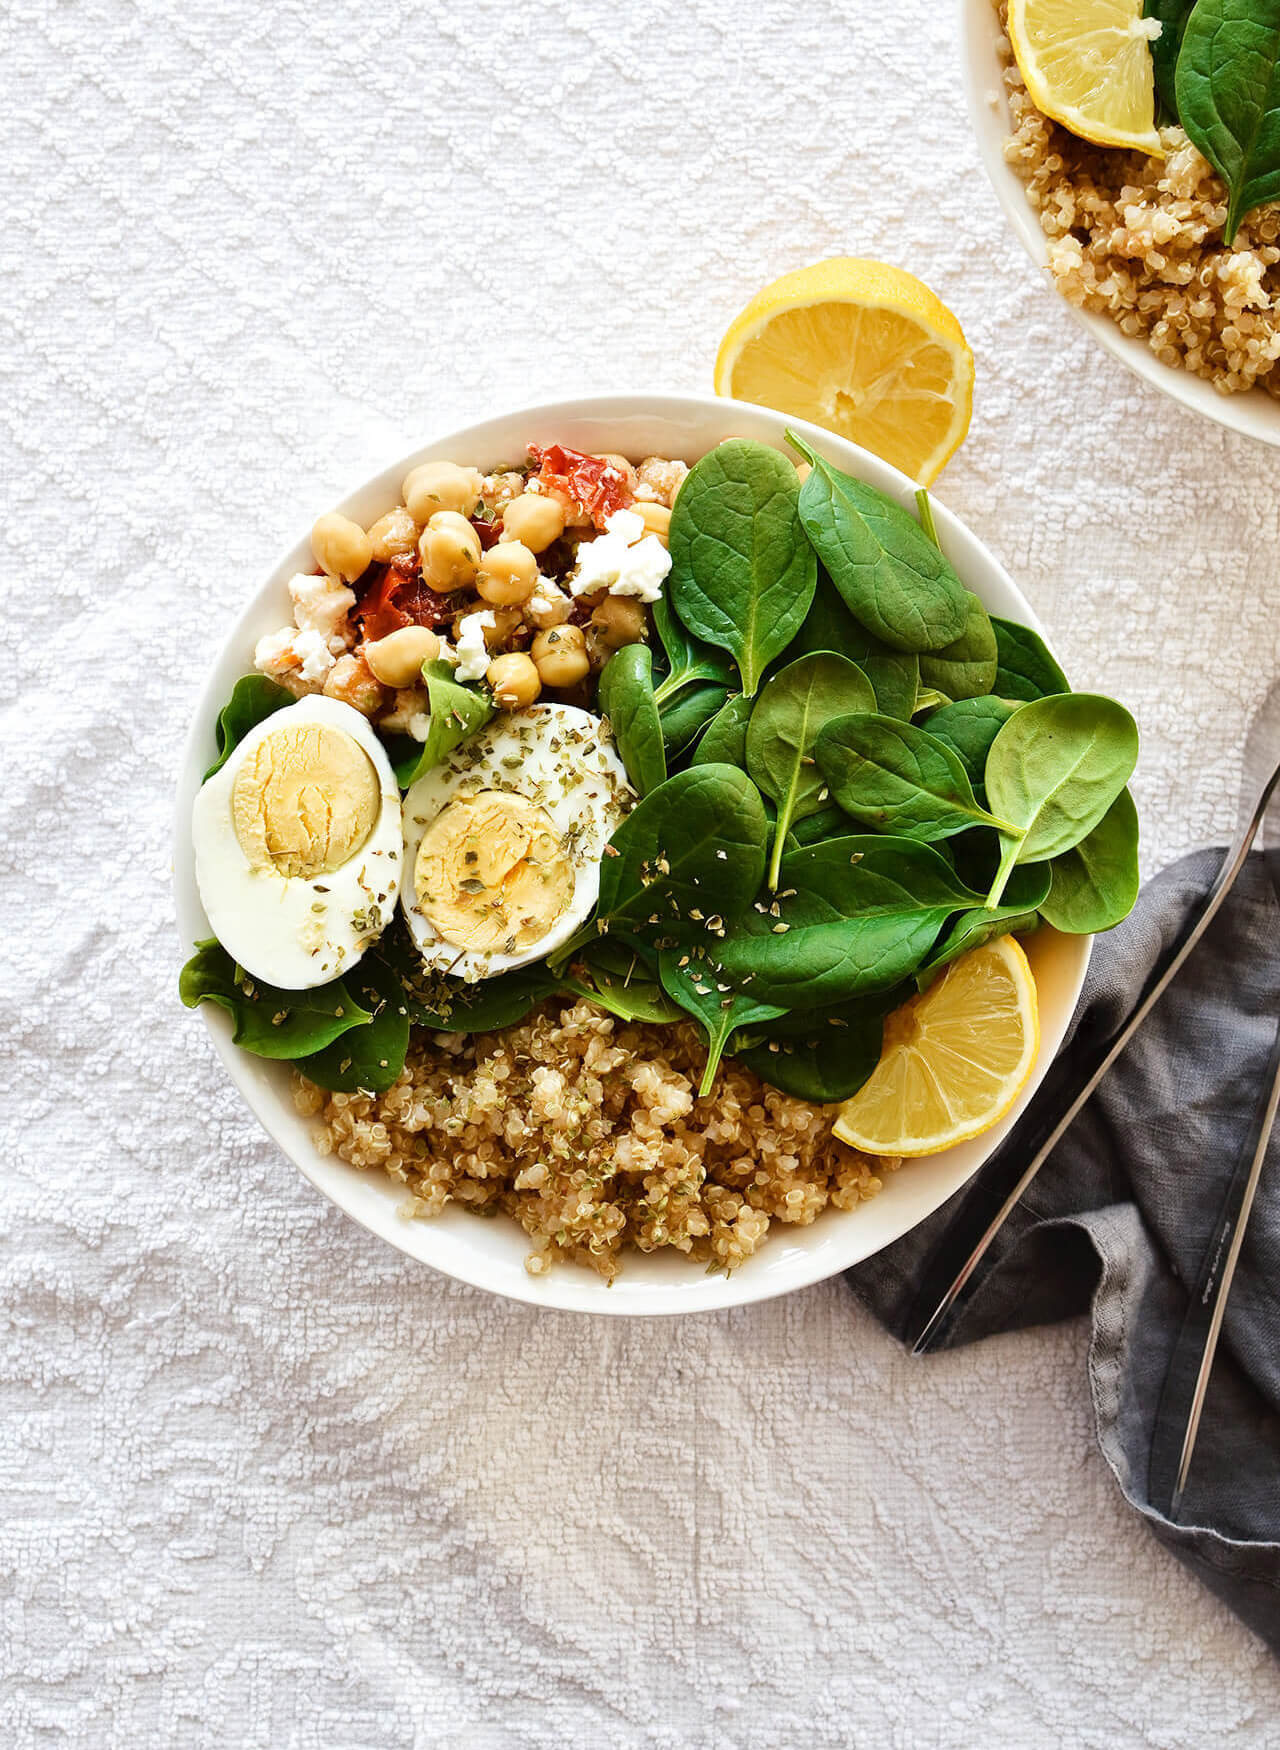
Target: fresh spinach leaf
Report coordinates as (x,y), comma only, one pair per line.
(1024,667)
(690,854)
(253,699)
(928,700)
(968,728)
(966,668)
(453,713)
(1228,92)
(1053,772)
(1172,16)
(268,1021)
(695,982)
(823,1057)
(924,514)
(855,915)
(742,573)
(897,778)
(725,741)
(792,707)
(627,699)
(618,978)
(895,674)
(825,823)
(1094,886)
(1017,913)
(450,1005)
(687,658)
(891,575)
(688,713)
(368,1059)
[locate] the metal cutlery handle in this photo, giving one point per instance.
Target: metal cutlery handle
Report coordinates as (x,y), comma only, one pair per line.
(1067,1087)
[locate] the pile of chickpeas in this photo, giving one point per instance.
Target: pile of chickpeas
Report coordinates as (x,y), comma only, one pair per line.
(439,500)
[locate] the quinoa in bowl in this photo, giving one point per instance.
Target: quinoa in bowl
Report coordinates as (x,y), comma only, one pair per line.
(574,1109)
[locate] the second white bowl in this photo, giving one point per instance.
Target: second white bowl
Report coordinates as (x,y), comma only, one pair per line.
(1253,412)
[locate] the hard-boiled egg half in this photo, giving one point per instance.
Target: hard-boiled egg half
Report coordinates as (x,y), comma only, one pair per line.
(503,840)
(297,843)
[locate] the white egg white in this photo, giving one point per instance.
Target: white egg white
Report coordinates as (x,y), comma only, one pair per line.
(557,756)
(297,931)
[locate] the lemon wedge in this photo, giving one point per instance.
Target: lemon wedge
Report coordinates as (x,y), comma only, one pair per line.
(1087,64)
(863,349)
(955,1058)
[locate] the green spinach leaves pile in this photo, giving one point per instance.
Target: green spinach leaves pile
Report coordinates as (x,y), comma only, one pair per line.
(848,773)
(1217,73)
(896,777)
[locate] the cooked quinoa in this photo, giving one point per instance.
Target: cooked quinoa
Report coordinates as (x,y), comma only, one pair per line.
(588,1131)
(1139,239)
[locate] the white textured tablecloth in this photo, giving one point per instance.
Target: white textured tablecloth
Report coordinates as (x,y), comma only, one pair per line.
(265,1482)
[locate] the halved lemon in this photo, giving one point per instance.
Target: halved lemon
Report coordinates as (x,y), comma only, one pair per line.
(955,1058)
(862,348)
(1087,64)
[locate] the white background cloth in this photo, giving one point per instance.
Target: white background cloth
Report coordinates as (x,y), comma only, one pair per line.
(267,1483)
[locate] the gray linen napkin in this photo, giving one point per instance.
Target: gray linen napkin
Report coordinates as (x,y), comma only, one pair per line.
(1119,1218)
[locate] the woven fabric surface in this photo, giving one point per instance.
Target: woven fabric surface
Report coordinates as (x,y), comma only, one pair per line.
(265,1481)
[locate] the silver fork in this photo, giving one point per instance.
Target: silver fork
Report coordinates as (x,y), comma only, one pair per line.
(1069,1085)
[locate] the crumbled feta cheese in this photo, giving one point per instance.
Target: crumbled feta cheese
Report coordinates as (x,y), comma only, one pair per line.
(321,604)
(447,653)
(273,654)
(627,523)
(315,659)
(473,653)
(624,560)
(419,725)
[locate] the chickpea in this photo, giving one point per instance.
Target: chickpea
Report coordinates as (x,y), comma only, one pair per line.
(535,518)
(574,515)
(397,659)
(506,621)
(514,680)
(548,606)
(440,486)
(351,681)
(803,471)
(560,656)
(655,517)
(624,468)
(450,551)
(619,620)
(393,534)
(508,574)
(341,547)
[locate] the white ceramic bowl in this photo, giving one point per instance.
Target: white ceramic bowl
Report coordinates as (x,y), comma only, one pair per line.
(490,1254)
(1254,413)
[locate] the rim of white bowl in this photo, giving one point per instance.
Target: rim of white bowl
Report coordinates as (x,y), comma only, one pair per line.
(653,1285)
(1253,413)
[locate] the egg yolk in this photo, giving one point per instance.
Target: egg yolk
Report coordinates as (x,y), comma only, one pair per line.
(305,799)
(492,874)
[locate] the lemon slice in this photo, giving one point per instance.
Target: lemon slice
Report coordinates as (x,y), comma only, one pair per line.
(1087,64)
(861,348)
(954,1060)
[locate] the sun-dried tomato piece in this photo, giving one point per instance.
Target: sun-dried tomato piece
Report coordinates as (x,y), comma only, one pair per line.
(490,533)
(595,486)
(399,597)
